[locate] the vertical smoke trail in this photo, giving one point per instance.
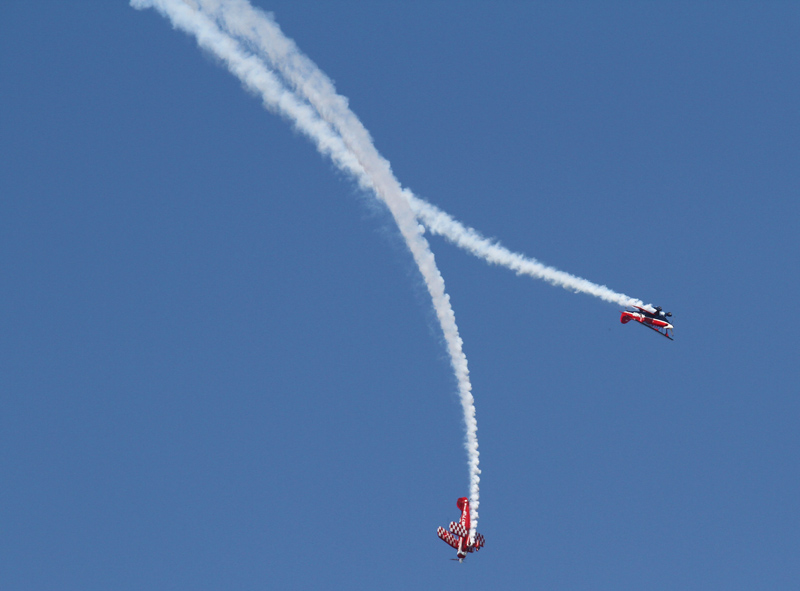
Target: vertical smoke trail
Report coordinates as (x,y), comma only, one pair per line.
(261,34)
(370,169)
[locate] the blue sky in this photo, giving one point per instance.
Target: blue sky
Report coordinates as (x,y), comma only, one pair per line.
(220,369)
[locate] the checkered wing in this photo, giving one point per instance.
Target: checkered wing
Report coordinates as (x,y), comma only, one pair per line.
(447,537)
(458,529)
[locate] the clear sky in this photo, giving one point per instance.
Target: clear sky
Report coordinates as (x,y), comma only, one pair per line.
(219,366)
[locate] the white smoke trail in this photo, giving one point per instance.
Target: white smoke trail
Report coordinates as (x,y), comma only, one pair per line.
(258,31)
(440,223)
(370,169)
(262,35)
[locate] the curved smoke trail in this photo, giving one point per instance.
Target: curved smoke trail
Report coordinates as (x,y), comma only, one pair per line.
(262,35)
(367,166)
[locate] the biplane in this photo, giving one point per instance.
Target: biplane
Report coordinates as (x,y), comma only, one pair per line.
(655,319)
(459,535)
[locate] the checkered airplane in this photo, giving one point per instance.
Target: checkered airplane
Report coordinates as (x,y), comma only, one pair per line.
(458,536)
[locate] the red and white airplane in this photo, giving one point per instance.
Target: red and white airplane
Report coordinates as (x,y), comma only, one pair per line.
(458,536)
(656,320)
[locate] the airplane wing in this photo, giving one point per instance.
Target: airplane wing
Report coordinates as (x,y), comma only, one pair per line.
(479,541)
(626,317)
(478,544)
(447,537)
(663,334)
(458,529)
